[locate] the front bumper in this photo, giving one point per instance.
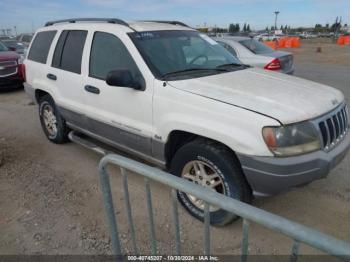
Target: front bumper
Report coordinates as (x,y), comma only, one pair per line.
(9,82)
(272,175)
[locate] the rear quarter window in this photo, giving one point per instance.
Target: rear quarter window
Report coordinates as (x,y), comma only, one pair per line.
(256,47)
(228,47)
(40,47)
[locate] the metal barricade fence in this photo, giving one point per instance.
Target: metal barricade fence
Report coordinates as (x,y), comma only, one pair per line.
(299,233)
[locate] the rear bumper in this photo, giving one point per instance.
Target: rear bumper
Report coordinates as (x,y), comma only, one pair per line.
(272,175)
(289,71)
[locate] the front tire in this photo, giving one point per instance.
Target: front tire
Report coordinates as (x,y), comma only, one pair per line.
(212,165)
(52,123)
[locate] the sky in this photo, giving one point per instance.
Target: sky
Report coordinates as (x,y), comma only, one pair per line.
(31,14)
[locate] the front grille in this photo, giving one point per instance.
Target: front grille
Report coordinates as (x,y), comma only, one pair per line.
(334,127)
(8,68)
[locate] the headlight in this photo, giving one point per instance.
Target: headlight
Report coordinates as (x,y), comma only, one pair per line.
(292,139)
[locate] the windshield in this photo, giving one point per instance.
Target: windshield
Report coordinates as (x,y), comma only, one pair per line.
(188,54)
(2,47)
(256,47)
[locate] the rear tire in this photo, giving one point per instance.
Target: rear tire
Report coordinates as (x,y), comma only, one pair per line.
(220,166)
(52,123)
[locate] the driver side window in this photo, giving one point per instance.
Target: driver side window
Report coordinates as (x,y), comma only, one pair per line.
(109,53)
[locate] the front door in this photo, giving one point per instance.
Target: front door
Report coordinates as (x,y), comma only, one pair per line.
(120,114)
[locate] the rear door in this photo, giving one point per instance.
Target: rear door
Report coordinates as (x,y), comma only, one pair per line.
(65,72)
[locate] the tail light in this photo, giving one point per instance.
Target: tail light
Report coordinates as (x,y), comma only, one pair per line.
(274,65)
(22,71)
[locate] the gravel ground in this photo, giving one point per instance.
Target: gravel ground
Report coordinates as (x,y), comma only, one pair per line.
(50,199)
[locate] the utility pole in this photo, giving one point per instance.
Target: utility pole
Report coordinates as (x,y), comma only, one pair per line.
(276,14)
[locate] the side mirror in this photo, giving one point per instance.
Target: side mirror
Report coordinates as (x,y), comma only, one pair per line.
(124,78)
(12,48)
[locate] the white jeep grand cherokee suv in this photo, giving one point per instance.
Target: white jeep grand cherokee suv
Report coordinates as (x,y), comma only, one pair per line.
(174,97)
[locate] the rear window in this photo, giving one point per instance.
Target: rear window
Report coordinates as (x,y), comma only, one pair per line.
(69,51)
(256,47)
(41,46)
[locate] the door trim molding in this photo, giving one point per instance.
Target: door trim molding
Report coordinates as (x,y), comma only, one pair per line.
(159,162)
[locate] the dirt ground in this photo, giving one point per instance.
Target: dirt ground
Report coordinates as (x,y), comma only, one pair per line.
(51,203)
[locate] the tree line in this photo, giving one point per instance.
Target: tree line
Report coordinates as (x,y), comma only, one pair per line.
(319,28)
(235,28)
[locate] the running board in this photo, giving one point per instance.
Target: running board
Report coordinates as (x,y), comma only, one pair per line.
(78,139)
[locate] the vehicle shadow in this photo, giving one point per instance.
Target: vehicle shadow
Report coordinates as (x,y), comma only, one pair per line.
(11,89)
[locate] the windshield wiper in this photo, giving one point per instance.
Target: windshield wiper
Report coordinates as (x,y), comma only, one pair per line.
(191,70)
(232,65)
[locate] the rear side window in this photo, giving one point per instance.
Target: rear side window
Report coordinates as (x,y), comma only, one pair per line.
(41,45)
(228,47)
(109,53)
(69,51)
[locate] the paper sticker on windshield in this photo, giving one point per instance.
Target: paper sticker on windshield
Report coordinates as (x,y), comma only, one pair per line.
(208,39)
(145,35)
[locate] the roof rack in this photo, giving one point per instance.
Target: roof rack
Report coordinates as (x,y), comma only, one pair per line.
(73,20)
(167,22)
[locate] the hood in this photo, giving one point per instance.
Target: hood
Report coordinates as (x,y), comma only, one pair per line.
(8,55)
(286,98)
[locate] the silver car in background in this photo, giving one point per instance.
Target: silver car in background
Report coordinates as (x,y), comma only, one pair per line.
(257,54)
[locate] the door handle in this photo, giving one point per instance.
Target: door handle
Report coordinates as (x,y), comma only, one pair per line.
(51,76)
(92,89)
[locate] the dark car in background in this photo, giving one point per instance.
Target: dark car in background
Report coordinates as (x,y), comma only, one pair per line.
(11,69)
(14,45)
(19,48)
(4,37)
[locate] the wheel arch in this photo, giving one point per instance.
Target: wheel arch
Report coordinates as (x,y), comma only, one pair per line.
(178,138)
(39,93)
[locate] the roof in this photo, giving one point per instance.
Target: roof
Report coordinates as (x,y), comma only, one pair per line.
(139,26)
(154,26)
